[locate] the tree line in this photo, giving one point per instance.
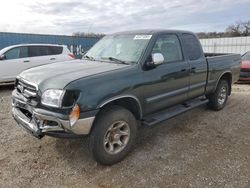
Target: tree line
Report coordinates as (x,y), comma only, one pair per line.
(90,34)
(238,29)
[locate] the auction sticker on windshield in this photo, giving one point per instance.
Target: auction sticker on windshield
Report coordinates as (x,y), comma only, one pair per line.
(142,37)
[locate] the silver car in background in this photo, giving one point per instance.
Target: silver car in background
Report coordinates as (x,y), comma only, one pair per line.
(17,58)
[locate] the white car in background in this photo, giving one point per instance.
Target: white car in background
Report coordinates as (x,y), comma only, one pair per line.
(17,58)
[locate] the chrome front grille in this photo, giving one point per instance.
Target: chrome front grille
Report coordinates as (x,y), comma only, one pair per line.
(26,89)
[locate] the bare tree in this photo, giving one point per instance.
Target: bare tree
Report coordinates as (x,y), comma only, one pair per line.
(246,26)
(235,30)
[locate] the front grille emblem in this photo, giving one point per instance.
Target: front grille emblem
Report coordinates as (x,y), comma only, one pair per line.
(21,88)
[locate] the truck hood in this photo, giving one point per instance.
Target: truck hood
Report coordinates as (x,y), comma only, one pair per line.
(58,75)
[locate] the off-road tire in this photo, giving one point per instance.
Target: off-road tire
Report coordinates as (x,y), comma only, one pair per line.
(102,124)
(218,99)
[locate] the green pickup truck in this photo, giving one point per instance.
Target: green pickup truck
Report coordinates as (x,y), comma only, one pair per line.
(126,79)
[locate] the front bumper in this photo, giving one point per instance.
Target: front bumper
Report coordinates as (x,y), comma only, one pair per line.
(41,122)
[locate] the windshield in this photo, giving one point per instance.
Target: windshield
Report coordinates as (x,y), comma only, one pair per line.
(126,48)
(246,56)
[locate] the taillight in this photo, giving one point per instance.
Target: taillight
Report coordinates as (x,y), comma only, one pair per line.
(72,56)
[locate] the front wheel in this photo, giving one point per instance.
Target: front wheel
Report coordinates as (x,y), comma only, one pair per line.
(218,99)
(113,135)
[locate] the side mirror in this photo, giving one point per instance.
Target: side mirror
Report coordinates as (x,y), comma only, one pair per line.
(157,59)
(2,57)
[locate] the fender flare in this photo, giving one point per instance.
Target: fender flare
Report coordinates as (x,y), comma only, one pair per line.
(107,101)
(221,75)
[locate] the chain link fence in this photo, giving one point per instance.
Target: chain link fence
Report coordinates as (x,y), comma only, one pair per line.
(238,45)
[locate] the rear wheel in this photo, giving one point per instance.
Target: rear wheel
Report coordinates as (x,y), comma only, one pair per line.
(113,135)
(218,99)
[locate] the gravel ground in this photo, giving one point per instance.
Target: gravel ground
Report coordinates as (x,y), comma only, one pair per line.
(200,148)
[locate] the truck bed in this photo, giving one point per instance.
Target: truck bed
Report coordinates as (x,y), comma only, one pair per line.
(218,64)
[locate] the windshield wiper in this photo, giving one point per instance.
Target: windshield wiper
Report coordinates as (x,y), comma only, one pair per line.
(116,60)
(88,57)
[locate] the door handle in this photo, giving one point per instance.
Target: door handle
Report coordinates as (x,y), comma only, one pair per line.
(52,58)
(183,70)
(26,61)
(193,69)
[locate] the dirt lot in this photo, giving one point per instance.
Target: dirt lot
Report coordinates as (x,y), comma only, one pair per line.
(200,148)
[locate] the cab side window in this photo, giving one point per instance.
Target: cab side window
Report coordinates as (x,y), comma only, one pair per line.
(38,51)
(169,46)
(15,53)
(23,52)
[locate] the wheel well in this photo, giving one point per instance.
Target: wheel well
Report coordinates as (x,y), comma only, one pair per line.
(129,103)
(228,77)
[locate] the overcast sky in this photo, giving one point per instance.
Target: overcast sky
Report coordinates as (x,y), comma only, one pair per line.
(68,16)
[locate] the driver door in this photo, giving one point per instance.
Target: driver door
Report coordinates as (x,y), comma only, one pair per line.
(168,83)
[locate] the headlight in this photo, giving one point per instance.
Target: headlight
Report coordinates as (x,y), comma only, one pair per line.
(53,97)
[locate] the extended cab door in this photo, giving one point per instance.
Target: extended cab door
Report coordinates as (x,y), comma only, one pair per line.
(198,65)
(168,83)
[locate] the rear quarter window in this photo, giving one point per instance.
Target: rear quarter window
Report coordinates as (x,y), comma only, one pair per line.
(191,47)
(55,50)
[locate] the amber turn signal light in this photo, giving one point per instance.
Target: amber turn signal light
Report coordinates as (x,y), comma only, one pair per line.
(74,115)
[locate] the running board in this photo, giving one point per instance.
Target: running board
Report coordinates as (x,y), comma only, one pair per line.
(159,117)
